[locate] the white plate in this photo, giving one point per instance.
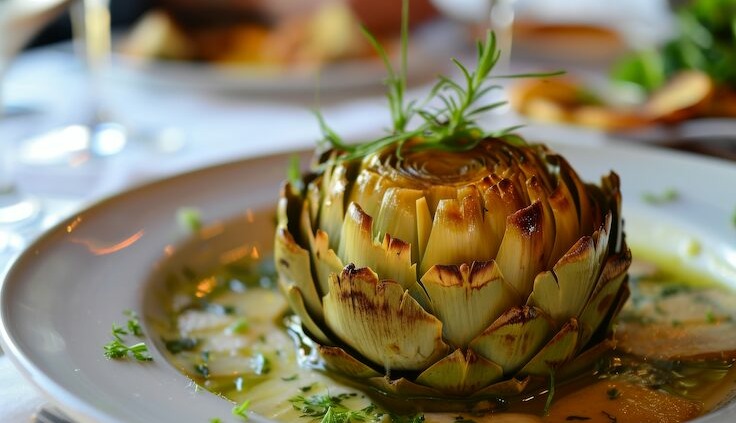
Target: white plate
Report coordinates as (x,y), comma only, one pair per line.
(431,46)
(61,297)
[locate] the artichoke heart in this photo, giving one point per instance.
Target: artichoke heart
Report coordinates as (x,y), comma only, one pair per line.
(453,274)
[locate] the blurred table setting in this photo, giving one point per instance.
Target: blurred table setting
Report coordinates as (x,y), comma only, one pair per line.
(175,95)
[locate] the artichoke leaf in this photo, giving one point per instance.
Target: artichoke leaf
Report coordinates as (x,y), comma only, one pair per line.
(458,234)
(567,226)
(397,217)
(604,295)
(381,321)
(332,210)
(500,200)
(557,352)
(539,193)
(521,255)
(337,360)
(504,389)
(467,299)
(295,298)
(424,227)
(391,258)
(461,374)
(368,191)
(563,292)
(326,262)
(514,338)
(578,190)
(294,269)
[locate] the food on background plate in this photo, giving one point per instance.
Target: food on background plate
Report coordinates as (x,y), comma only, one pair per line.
(329,34)
(692,75)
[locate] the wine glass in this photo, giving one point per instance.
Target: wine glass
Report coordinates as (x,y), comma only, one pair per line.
(19,21)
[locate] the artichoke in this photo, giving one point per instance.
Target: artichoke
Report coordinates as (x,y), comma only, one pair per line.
(453,274)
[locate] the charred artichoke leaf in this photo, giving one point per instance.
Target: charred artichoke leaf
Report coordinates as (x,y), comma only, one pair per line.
(337,360)
(296,301)
(567,226)
(461,373)
(332,209)
(294,270)
(467,299)
(563,292)
(514,338)
(501,200)
(521,255)
(538,192)
(381,321)
(391,258)
(558,351)
(368,191)
(458,234)
(424,227)
(604,295)
(326,262)
(397,217)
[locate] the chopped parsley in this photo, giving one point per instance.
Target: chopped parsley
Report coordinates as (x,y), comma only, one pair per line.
(189,218)
(613,393)
(175,346)
(261,364)
(293,377)
(203,367)
(329,408)
(239,326)
(134,325)
(241,410)
(118,349)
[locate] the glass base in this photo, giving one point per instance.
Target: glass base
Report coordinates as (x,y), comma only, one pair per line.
(17,210)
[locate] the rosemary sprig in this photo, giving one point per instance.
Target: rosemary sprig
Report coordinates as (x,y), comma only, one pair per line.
(451,125)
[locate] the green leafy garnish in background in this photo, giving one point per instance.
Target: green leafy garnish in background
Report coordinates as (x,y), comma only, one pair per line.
(449,126)
(706,41)
(668,196)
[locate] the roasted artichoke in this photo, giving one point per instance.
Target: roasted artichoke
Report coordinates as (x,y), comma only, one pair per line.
(462,274)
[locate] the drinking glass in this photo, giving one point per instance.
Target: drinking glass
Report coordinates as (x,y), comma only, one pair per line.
(19,21)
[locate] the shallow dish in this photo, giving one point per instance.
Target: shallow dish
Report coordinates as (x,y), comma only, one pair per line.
(62,295)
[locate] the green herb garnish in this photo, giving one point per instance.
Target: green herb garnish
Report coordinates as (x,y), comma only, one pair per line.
(613,393)
(190,218)
(450,126)
(290,378)
(241,410)
(175,346)
(203,367)
(134,325)
(330,408)
(550,394)
(117,348)
(239,326)
(294,173)
(668,196)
